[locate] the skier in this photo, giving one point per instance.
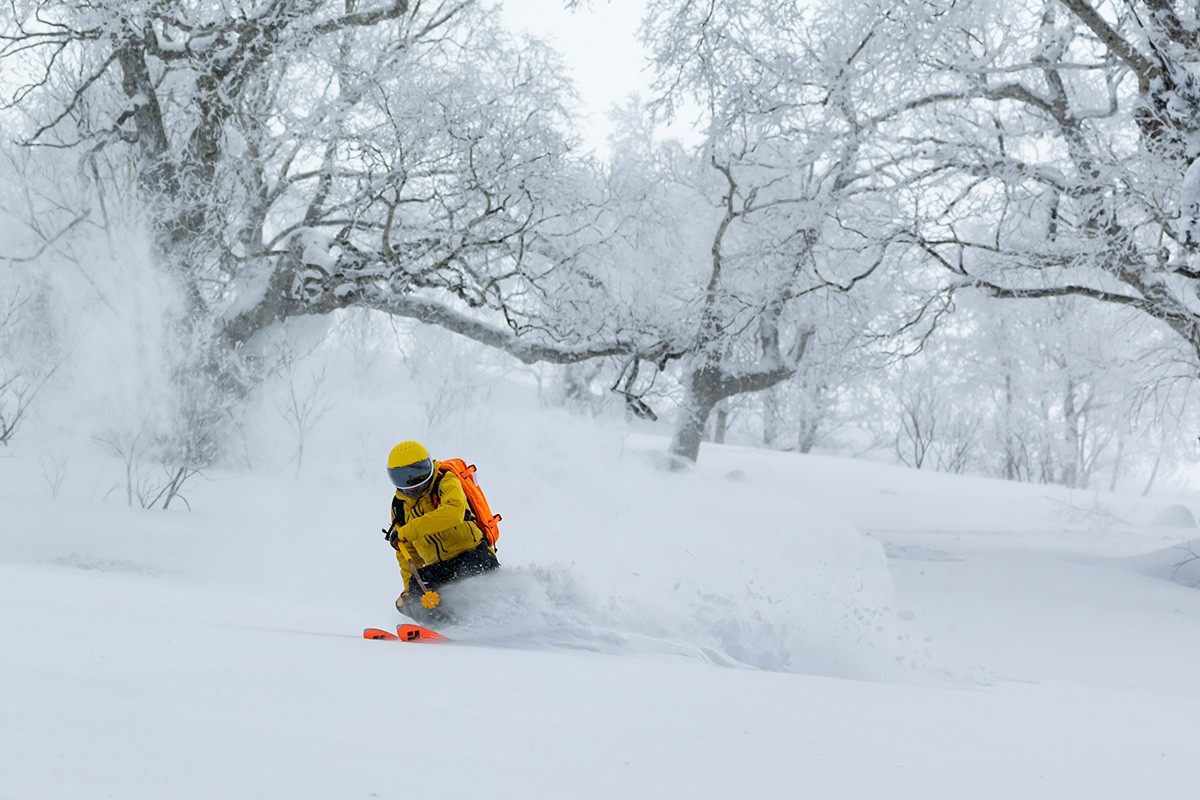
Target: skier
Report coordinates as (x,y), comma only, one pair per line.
(433,531)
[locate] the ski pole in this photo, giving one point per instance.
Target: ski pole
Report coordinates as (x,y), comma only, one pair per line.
(429,598)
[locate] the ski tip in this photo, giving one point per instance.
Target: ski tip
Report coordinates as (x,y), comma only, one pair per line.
(418,633)
(377,633)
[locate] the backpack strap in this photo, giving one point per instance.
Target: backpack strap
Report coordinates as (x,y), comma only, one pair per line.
(436,496)
(397,511)
(398,504)
(435,491)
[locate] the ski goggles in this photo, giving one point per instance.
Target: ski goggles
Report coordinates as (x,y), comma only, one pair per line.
(411,479)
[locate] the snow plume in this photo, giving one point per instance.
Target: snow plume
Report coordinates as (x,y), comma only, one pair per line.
(602,551)
(117,390)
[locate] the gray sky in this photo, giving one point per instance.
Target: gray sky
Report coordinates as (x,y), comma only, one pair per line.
(601,46)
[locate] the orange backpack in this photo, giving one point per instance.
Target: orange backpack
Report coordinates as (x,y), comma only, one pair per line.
(482,512)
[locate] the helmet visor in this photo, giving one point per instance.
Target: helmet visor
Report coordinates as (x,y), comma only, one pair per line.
(411,479)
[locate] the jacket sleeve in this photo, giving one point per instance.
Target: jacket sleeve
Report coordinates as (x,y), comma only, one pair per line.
(405,572)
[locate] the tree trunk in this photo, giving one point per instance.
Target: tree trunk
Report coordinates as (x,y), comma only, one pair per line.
(1071,461)
(807,438)
(701,394)
(1119,462)
(1012,469)
(813,411)
(721,424)
(771,417)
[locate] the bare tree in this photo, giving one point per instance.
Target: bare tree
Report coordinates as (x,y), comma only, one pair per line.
(920,417)
(296,157)
(1059,158)
(789,185)
(28,358)
(303,405)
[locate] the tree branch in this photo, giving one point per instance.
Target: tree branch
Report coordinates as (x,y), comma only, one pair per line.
(1144,68)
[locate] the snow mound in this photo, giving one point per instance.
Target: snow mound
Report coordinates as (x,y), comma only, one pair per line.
(1175,516)
(1179,563)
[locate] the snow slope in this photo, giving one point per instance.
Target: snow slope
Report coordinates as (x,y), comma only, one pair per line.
(772,625)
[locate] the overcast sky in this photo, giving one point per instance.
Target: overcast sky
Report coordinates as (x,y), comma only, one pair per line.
(599,42)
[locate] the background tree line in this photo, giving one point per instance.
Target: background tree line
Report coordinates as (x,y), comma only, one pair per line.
(959,234)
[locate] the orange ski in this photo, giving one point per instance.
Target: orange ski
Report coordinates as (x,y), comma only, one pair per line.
(417,633)
(376,633)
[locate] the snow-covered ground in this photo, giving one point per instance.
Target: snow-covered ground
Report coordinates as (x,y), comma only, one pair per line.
(772,625)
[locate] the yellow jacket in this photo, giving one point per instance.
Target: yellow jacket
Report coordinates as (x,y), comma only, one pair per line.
(432,534)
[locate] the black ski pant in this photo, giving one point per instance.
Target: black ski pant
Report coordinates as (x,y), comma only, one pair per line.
(466,565)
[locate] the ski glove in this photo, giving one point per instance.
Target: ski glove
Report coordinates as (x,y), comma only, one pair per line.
(393,536)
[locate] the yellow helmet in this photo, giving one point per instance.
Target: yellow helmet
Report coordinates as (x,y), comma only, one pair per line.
(410,467)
